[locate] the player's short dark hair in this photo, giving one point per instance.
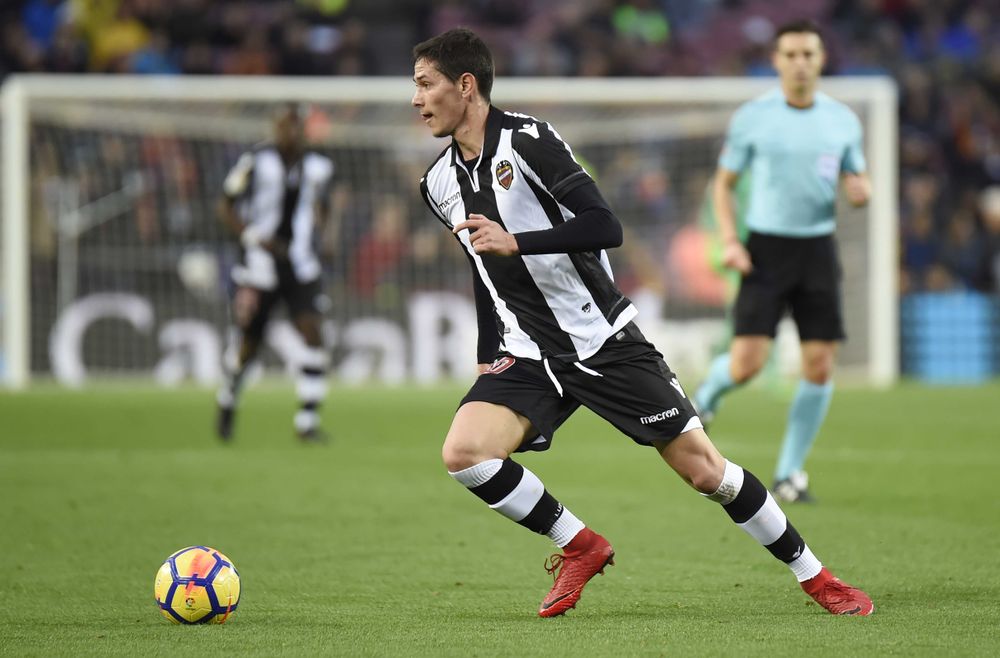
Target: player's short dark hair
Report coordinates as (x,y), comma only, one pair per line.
(456,52)
(296,111)
(798,27)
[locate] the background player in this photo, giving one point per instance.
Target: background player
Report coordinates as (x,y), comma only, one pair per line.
(276,199)
(798,143)
(534,225)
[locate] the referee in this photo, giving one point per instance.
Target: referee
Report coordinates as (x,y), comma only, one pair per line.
(556,333)
(798,145)
(276,200)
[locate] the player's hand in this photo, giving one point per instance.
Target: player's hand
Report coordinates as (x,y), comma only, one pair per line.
(488,237)
(484,367)
(858,189)
(251,237)
(276,247)
(736,257)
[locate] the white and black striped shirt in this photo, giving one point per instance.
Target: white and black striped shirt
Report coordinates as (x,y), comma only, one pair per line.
(555,305)
(281,201)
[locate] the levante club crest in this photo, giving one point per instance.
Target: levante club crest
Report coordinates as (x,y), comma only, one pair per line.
(505,174)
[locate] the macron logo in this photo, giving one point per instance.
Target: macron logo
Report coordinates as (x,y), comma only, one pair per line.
(663,415)
(530,128)
(450,200)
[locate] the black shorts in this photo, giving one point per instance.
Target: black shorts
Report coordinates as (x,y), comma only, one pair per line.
(299,298)
(801,274)
(627,383)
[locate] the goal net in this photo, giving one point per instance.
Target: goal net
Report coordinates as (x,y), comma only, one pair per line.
(115,263)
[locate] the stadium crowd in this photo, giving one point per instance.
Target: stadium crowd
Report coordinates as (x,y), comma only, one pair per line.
(944,54)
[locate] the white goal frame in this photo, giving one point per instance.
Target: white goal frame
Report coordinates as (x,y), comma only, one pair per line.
(879,93)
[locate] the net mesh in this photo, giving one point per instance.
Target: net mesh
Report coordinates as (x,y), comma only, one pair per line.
(129,263)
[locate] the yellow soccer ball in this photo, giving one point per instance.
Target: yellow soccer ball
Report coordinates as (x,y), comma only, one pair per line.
(197,585)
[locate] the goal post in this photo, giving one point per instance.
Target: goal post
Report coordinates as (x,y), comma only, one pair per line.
(142,246)
(14,168)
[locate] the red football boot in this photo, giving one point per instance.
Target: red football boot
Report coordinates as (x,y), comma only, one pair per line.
(836,596)
(581,559)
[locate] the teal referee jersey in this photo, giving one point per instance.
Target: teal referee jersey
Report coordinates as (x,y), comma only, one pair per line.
(795,157)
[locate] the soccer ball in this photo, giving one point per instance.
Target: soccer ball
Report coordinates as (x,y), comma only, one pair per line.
(197,585)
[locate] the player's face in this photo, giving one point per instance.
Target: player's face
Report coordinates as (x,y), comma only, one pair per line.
(289,132)
(438,99)
(798,58)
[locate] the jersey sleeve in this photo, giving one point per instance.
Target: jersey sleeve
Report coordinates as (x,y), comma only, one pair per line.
(238,179)
(738,148)
(548,158)
(425,194)
(853,161)
(592,228)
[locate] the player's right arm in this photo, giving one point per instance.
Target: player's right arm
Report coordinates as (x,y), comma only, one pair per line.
(488,342)
(734,254)
(489,338)
(735,157)
(236,185)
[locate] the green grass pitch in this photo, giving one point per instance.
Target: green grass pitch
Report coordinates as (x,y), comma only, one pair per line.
(366,547)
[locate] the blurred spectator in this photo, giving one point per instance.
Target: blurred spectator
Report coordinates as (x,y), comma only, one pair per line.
(989,208)
(351,54)
(17,50)
(42,19)
(641,22)
(188,22)
(381,250)
(155,57)
(962,251)
(67,54)
(112,43)
(920,251)
(302,53)
(325,7)
(251,57)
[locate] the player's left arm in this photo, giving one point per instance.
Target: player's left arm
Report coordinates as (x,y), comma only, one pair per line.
(324,202)
(548,160)
(853,169)
(325,199)
(331,202)
(593,227)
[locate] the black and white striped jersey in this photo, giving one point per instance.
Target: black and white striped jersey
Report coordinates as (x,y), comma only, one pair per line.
(281,202)
(562,306)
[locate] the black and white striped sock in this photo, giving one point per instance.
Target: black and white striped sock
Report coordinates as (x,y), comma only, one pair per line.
(311,388)
(518,494)
(232,372)
(751,506)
